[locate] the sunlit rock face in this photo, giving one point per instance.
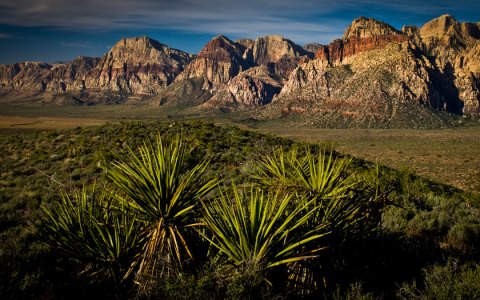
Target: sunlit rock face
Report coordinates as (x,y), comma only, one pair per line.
(373,71)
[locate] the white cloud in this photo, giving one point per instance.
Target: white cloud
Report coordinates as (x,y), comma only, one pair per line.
(301,21)
(246,18)
(110,14)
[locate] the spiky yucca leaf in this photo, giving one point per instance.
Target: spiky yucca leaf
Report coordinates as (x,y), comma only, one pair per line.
(316,176)
(261,229)
(319,175)
(86,227)
(160,187)
(334,193)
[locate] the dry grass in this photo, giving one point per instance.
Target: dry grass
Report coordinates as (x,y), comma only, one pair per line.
(46,122)
(449,156)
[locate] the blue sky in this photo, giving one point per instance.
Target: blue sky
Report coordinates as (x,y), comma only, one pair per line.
(60,30)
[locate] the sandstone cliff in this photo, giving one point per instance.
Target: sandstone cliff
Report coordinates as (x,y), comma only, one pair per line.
(454,48)
(245,73)
(219,61)
(137,65)
(378,75)
(71,76)
(369,76)
(362,35)
(271,49)
(372,74)
(133,66)
(274,58)
(29,77)
(43,82)
(254,87)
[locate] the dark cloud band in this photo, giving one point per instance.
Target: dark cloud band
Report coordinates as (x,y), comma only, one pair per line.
(298,20)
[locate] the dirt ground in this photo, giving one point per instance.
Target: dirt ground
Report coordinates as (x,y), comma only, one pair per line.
(46,122)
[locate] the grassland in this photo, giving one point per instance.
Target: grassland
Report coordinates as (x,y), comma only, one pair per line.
(446,155)
(450,156)
(430,228)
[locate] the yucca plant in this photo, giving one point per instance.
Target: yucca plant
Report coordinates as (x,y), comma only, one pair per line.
(319,175)
(325,181)
(86,227)
(257,230)
(163,190)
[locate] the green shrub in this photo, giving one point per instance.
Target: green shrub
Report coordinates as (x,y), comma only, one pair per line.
(163,192)
(87,227)
(255,231)
(464,238)
(445,283)
(354,292)
(427,223)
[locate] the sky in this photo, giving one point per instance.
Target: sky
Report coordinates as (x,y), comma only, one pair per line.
(60,30)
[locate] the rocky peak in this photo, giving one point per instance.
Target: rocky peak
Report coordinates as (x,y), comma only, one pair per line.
(411,30)
(138,65)
(138,42)
(219,61)
(144,50)
(76,69)
(247,43)
(364,34)
(221,48)
(253,87)
(366,28)
(454,48)
(450,32)
(273,48)
(445,25)
(84,63)
(24,77)
(312,47)
(36,64)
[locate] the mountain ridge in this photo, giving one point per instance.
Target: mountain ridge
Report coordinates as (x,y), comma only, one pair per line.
(373,71)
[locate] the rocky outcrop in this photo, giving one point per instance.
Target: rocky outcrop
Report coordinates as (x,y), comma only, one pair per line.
(218,62)
(71,76)
(246,72)
(454,49)
(363,28)
(444,35)
(270,49)
(185,92)
(308,80)
(273,58)
(339,50)
(390,85)
(312,47)
(28,77)
(254,87)
(35,78)
(373,72)
(137,65)
(285,66)
(378,73)
(281,55)
(362,35)
(133,66)
(366,45)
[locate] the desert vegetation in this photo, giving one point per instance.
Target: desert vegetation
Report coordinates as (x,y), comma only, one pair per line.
(192,210)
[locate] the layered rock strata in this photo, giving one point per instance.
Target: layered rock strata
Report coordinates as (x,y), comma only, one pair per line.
(373,71)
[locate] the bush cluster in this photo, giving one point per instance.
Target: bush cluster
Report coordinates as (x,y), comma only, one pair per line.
(360,232)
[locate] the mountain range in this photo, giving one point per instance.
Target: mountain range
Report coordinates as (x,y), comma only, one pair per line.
(374,74)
